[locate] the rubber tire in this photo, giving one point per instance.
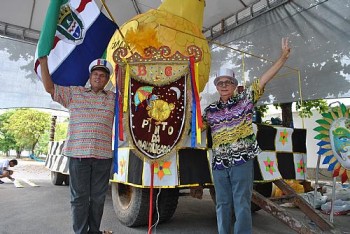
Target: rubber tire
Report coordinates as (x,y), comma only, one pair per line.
(66,180)
(131,204)
(167,204)
(57,178)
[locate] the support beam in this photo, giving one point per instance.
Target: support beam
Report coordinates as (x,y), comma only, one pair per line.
(137,9)
(280,213)
(298,201)
(19,33)
(240,20)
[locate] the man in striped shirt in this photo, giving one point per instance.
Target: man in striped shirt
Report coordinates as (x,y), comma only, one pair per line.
(89,142)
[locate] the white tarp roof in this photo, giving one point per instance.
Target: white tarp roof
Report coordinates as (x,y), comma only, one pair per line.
(319,32)
(24,18)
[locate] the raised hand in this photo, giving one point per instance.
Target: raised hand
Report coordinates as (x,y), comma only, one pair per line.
(285,48)
(272,71)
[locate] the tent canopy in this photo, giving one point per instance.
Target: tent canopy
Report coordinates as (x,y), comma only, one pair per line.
(32,13)
(243,34)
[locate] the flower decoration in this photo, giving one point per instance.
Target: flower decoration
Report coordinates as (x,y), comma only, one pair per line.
(283,137)
(162,168)
(269,166)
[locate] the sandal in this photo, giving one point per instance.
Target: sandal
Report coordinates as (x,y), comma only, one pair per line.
(196,192)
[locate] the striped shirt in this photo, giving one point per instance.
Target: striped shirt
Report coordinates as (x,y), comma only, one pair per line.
(91,121)
(231,127)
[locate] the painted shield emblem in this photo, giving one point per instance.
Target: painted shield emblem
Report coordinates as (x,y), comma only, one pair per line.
(157,116)
(70,26)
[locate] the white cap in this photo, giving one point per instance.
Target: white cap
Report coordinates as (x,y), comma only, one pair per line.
(101,63)
(228,73)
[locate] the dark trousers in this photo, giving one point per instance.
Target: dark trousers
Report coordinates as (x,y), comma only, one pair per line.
(88,182)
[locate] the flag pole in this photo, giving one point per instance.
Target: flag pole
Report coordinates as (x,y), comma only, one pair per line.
(112,18)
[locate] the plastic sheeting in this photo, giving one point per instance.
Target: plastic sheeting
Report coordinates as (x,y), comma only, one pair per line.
(319,35)
(20,87)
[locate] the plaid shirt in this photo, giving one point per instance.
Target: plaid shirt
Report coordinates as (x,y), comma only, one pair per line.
(231,127)
(91,121)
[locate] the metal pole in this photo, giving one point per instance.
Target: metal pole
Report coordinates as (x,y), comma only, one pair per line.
(316,179)
(112,18)
(53,127)
(331,216)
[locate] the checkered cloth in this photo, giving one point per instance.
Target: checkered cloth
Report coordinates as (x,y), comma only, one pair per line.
(283,153)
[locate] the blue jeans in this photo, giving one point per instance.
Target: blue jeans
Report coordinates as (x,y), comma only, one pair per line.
(88,182)
(233,189)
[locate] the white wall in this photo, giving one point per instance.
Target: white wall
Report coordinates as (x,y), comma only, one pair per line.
(309,124)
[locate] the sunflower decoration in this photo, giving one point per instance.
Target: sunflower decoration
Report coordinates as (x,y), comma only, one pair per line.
(141,38)
(334,136)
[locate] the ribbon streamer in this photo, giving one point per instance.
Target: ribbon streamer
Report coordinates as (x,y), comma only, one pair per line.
(126,87)
(196,122)
(116,124)
(198,114)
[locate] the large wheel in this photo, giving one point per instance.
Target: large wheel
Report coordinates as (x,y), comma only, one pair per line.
(131,204)
(167,204)
(57,178)
(66,180)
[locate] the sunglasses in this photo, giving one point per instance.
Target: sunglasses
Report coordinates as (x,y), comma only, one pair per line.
(224,83)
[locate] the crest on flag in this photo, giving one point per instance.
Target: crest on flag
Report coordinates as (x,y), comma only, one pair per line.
(70,26)
(70,30)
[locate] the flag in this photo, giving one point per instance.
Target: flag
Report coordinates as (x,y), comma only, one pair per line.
(74,33)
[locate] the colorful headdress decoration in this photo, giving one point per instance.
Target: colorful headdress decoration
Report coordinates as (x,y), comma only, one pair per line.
(334,136)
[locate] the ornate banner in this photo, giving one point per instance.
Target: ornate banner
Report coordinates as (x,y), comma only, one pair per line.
(157,90)
(157,112)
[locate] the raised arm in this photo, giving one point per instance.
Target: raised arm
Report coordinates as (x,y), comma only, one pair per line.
(45,75)
(272,71)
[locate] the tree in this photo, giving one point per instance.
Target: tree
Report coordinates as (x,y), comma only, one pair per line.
(304,110)
(60,135)
(61,131)
(7,140)
(27,126)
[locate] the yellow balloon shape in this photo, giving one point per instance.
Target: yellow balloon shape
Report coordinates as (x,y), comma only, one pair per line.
(176,24)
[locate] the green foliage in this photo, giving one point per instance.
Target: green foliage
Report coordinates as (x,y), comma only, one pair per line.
(262,109)
(60,134)
(305,107)
(61,131)
(42,145)
(27,126)
(7,140)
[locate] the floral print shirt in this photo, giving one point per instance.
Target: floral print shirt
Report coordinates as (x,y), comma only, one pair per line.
(234,141)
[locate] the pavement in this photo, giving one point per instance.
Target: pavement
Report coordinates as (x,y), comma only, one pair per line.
(30,169)
(45,209)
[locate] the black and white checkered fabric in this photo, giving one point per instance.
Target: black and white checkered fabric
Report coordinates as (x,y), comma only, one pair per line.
(55,161)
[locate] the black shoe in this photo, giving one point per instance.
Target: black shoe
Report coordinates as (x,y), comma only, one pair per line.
(1,182)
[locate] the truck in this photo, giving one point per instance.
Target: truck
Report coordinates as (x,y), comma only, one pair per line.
(192,168)
(159,154)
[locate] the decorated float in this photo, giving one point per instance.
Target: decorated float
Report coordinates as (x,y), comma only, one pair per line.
(162,63)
